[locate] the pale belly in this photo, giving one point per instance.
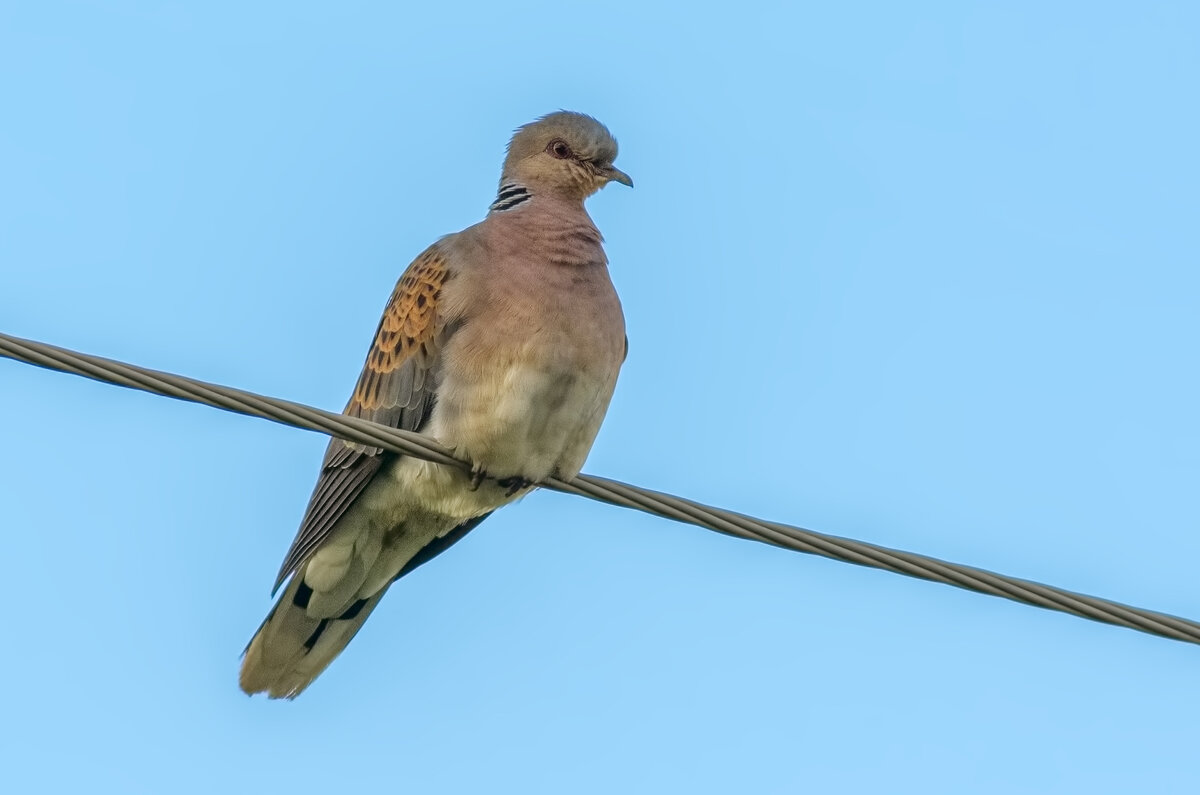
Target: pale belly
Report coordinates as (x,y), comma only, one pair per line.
(515,418)
(525,421)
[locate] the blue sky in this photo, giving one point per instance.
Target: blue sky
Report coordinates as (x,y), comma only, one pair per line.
(923,274)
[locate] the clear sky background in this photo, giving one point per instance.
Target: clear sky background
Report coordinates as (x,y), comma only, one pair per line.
(924,274)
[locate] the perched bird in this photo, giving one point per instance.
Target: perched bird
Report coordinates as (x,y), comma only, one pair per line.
(502,342)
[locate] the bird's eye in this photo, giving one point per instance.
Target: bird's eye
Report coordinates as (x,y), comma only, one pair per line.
(559,149)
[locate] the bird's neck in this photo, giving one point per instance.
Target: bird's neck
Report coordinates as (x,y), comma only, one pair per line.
(512,194)
(516,193)
(527,222)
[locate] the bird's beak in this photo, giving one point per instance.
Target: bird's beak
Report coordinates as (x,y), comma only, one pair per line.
(615,174)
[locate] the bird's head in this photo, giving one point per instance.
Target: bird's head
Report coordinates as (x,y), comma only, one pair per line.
(567,154)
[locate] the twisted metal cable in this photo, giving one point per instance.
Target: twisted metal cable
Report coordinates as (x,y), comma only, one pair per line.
(610,491)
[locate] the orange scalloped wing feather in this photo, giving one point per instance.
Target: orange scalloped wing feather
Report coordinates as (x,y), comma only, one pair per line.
(405,342)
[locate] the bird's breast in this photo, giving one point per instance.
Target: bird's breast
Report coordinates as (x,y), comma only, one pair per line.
(527,382)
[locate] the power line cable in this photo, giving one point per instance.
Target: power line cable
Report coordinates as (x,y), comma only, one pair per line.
(611,491)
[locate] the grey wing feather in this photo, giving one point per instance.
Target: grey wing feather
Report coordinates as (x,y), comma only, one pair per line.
(397,388)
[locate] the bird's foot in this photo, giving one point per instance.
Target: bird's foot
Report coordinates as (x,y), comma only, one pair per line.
(514,484)
(478,473)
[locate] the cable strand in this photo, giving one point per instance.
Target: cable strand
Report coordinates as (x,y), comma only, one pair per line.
(354,429)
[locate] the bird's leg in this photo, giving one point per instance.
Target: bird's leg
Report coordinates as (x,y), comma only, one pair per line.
(478,473)
(515,483)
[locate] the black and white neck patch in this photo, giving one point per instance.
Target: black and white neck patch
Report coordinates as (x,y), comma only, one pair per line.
(512,194)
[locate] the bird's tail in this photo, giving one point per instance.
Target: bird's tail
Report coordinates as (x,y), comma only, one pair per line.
(291,649)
